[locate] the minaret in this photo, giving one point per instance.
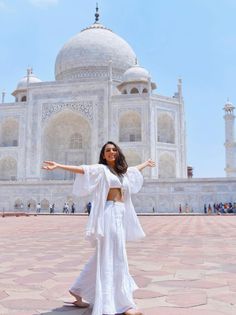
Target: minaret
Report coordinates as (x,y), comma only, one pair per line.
(230,144)
(3,96)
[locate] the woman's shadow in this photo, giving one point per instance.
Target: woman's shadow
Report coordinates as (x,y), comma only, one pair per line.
(68,310)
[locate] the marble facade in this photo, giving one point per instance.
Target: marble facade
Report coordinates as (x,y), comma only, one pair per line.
(100,93)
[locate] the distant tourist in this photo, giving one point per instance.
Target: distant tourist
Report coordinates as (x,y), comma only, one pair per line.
(52,208)
(65,208)
(209,209)
(73,208)
(88,207)
(38,207)
(180,208)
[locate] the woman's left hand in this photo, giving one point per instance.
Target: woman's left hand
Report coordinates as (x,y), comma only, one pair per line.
(150,163)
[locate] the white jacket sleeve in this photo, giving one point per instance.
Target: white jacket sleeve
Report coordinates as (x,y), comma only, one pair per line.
(135,179)
(86,183)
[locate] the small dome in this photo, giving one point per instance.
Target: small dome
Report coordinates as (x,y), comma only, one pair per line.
(89,53)
(136,73)
(22,84)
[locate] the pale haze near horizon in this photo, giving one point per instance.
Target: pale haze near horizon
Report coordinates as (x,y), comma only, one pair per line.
(194,40)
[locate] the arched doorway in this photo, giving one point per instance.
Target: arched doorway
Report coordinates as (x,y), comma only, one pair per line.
(67,140)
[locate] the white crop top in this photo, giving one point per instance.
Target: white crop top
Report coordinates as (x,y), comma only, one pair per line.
(114,181)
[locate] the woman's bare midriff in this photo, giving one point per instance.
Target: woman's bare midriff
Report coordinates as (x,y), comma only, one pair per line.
(115,194)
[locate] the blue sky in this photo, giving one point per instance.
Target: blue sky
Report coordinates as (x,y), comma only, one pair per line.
(191,39)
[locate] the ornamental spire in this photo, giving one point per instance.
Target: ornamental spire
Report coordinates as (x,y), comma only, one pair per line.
(96,14)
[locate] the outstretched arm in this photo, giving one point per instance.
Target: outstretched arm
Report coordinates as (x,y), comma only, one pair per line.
(51,165)
(148,163)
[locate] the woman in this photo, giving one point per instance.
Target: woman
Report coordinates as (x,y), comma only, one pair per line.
(105,281)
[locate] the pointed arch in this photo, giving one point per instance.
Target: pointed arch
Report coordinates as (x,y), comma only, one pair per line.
(9,132)
(18,204)
(165,128)
(130,127)
(44,204)
(132,157)
(32,204)
(167,166)
(66,139)
(8,169)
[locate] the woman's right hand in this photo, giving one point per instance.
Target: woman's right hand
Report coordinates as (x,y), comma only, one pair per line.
(49,165)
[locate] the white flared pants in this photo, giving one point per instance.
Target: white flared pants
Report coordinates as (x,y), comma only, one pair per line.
(105,281)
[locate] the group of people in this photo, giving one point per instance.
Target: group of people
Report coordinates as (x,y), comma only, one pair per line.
(220,208)
(185,209)
(216,208)
(66,208)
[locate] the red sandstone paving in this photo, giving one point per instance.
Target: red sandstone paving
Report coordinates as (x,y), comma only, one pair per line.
(185,266)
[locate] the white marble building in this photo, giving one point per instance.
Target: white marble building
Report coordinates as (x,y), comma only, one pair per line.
(100,93)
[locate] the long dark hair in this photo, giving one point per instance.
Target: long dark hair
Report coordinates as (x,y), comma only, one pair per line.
(120,162)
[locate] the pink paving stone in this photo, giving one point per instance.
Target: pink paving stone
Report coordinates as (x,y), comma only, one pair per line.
(192,261)
(55,291)
(190,284)
(173,283)
(179,311)
(6,276)
(146,294)
(3,295)
(232,281)
(142,282)
(157,273)
(14,312)
(232,288)
(43,269)
(228,298)
(187,299)
(204,284)
(35,278)
(30,304)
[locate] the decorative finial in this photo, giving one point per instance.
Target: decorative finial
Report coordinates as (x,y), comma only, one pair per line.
(29,71)
(96,14)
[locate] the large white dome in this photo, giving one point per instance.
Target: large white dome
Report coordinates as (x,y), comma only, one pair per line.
(88,54)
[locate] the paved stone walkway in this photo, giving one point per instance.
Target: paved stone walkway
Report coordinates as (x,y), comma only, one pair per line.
(185,266)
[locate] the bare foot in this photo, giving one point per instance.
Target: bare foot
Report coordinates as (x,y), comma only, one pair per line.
(133,311)
(81,304)
(79,301)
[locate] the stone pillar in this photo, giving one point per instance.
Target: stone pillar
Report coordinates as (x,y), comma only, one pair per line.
(152,153)
(182,132)
(230,144)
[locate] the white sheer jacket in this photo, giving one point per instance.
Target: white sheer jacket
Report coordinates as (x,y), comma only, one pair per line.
(96,181)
